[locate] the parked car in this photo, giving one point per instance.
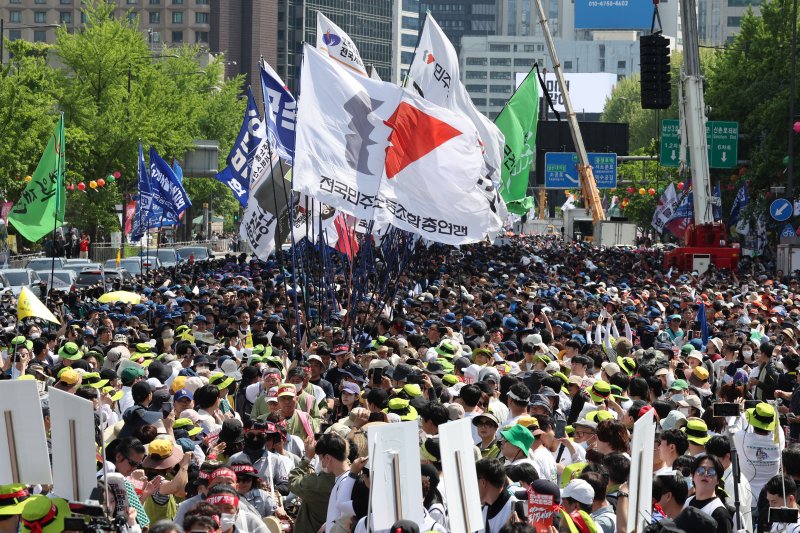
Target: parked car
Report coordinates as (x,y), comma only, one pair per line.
(121,273)
(150,261)
(79,267)
(131,265)
(45,263)
(200,253)
(167,257)
(63,280)
(16,278)
(93,276)
(77,261)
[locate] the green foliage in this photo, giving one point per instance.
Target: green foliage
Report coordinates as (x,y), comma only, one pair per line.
(114,91)
(749,82)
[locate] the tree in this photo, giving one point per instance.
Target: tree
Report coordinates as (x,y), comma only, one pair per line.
(748,82)
(114,91)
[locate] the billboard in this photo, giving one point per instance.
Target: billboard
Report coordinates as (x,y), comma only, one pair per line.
(613,14)
(588,91)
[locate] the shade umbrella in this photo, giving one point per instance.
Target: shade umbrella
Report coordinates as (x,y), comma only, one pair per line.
(120,296)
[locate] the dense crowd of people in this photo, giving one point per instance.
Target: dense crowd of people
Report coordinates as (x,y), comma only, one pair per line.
(235,397)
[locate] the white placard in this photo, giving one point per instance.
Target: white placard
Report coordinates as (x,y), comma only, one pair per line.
(455,439)
(387,441)
(21,400)
(68,462)
(587,90)
(641,478)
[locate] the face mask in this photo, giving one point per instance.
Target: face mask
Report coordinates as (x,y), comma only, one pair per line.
(689,482)
(226,521)
(677,397)
(584,445)
(298,387)
(747,354)
(34,336)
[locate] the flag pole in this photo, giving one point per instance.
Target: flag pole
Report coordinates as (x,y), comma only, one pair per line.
(414,55)
(59,182)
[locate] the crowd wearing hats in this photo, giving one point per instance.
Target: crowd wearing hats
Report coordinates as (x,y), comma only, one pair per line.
(230,401)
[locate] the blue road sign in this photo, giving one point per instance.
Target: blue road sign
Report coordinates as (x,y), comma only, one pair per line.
(781,210)
(612,14)
(561,170)
(788,231)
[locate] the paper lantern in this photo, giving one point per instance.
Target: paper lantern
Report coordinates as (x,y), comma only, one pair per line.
(28,179)
(116,174)
(642,191)
(70,187)
(92,184)
(81,186)
(630,190)
(111,179)
(101,182)
(681,185)
(796,127)
(651,191)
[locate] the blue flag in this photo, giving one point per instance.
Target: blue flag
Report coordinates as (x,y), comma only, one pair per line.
(168,192)
(716,203)
(144,205)
(280,111)
(237,174)
(739,205)
(701,318)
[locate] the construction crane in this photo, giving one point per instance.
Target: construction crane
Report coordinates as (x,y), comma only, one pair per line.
(704,240)
(588,185)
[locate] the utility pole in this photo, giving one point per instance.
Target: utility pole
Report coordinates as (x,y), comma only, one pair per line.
(588,185)
(792,82)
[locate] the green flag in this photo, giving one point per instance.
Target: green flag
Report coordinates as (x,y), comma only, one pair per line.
(521,207)
(40,208)
(518,121)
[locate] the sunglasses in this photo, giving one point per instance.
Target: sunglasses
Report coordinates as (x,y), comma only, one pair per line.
(706,471)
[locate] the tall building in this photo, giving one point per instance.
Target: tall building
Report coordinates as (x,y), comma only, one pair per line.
(462,18)
(241,29)
(367,22)
(718,21)
(489,65)
(406,25)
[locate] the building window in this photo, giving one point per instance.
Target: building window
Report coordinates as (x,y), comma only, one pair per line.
(201,18)
(501,75)
(177,17)
(14,35)
(411,23)
(621,64)
(155,17)
(483,9)
(411,5)
(132,16)
(500,61)
(734,22)
(40,17)
(476,88)
(497,102)
(477,61)
(743,3)
(201,2)
(177,2)
(40,2)
(479,101)
(15,16)
(499,47)
(177,36)
(66,2)
(155,2)
(475,75)
(65,17)
(523,62)
(132,2)
(567,65)
(201,37)
(529,48)
(406,57)
(408,40)
(483,26)
(503,89)
(16,1)
(39,36)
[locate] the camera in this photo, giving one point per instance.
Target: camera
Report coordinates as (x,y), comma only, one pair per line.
(726,409)
(782,515)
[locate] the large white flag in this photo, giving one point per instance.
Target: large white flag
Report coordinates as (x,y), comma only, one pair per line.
(377,151)
(667,205)
(332,40)
(267,211)
(435,76)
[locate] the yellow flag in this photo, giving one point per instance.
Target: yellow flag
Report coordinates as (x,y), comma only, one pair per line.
(248,340)
(29,305)
(119,258)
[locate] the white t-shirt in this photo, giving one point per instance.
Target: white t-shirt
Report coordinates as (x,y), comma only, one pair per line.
(745,498)
(545,464)
(758,457)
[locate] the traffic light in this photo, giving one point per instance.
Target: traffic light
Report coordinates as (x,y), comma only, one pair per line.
(654,62)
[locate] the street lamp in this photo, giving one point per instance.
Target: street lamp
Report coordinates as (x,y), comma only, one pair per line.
(23,27)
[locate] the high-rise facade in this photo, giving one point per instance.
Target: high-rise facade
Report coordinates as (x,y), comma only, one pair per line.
(367,22)
(406,24)
(241,29)
(460,18)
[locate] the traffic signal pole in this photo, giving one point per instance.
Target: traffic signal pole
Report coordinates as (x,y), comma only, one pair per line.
(588,184)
